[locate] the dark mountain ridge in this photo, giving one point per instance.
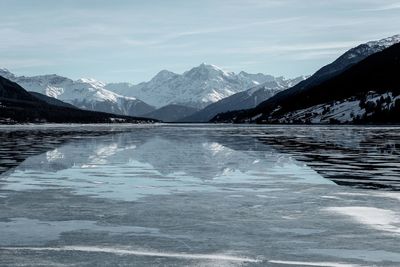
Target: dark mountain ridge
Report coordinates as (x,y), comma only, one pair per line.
(376,73)
(19,106)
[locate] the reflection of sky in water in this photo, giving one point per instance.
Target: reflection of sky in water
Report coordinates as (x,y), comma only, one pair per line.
(157,166)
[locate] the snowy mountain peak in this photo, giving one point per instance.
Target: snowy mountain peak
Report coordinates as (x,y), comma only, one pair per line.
(51,79)
(205,71)
(4,70)
(93,82)
(6,73)
(351,57)
(196,88)
(211,67)
(164,75)
(362,51)
(84,93)
(257,78)
(386,42)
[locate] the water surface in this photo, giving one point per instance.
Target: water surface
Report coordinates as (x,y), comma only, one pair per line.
(199,195)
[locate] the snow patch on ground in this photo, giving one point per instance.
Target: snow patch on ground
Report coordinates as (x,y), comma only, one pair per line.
(379,219)
(343,111)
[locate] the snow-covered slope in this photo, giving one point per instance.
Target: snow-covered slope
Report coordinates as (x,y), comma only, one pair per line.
(84,93)
(314,88)
(244,100)
(348,110)
(207,84)
(352,57)
(20,106)
(196,88)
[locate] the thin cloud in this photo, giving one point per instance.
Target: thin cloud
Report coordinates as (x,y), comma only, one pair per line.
(239,26)
(129,36)
(312,55)
(205,31)
(384,7)
(284,48)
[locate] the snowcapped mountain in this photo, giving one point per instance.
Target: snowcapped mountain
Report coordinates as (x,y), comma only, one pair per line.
(372,47)
(244,100)
(366,92)
(345,62)
(372,105)
(195,88)
(352,57)
(190,91)
(207,84)
(19,106)
(84,93)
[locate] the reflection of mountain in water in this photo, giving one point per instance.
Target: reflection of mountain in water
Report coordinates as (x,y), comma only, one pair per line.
(158,161)
(82,152)
(196,156)
(203,157)
(18,144)
(356,156)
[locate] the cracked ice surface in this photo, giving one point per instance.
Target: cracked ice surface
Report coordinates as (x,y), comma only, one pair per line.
(199,195)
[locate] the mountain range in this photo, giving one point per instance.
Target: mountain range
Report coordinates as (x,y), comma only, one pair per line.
(202,92)
(196,88)
(334,94)
(168,96)
(19,106)
(249,98)
(86,94)
(359,87)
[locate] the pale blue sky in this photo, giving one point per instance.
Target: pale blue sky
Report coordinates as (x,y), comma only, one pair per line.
(128,40)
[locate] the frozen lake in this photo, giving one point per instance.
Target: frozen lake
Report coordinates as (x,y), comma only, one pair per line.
(199,195)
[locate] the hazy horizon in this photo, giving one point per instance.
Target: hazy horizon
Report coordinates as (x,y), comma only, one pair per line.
(131,41)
